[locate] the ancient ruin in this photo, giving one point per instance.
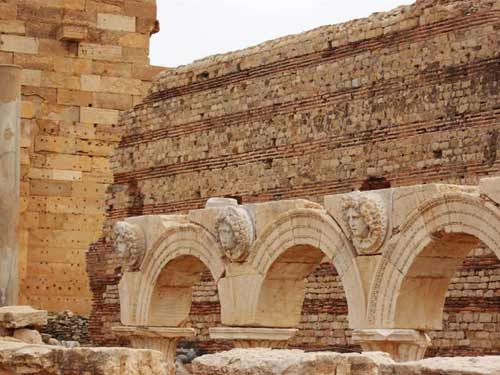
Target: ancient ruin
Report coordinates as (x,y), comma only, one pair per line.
(336,190)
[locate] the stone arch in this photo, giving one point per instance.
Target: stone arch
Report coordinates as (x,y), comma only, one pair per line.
(171,268)
(307,235)
(421,259)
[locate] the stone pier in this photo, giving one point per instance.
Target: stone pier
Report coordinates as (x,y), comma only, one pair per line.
(10,114)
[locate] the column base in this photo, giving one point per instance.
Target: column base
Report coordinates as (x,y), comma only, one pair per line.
(245,337)
(163,339)
(402,344)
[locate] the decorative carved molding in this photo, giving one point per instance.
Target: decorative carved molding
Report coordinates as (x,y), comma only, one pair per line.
(235,233)
(366,219)
(129,242)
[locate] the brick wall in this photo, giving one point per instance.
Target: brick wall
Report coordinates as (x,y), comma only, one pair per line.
(405,97)
(83,62)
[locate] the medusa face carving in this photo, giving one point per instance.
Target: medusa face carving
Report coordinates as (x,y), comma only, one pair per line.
(367,221)
(234,232)
(129,243)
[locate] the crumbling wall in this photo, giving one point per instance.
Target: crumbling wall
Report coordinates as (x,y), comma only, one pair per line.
(400,98)
(83,62)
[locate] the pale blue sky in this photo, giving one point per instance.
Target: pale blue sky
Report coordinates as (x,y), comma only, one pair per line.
(192,29)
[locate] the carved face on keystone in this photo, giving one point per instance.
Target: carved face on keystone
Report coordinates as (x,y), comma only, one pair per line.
(226,236)
(235,233)
(366,219)
(128,242)
(357,223)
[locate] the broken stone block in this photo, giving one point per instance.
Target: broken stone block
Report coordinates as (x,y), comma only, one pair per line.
(20,358)
(28,336)
(22,316)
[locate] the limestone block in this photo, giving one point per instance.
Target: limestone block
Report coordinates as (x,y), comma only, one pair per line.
(17,358)
(22,316)
(490,187)
(100,52)
(29,336)
(21,44)
(115,22)
(99,115)
(31,77)
(72,32)
(90,82)
(12,27)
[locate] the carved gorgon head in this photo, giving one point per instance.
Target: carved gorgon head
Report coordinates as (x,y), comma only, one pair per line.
(367,221)
(129,243)
(234,232)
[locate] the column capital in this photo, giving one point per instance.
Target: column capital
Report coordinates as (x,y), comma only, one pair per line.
(163,339)
(402,344)
(250,337)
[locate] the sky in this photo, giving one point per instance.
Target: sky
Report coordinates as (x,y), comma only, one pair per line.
(193,29)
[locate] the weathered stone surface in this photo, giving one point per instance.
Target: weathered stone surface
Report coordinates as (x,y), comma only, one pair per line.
(28,336)
(19,358)
(296,362)
(22,316)
(10,165)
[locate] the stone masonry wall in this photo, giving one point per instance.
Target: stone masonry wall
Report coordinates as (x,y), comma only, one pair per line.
(400,98)
(83,62)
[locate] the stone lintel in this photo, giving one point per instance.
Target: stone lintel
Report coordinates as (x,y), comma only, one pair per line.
(402,344)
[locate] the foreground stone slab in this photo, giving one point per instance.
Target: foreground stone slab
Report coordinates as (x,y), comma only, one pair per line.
(297,362)
(22,316)
(19,358)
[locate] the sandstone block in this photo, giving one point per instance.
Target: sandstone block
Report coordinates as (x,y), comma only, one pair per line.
(12,27)
(99,115)
(100,52)
(22,316)
(21,44)
(115,22)
(29,336)
(72,32)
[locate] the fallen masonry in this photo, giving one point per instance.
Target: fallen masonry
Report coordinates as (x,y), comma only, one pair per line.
(297,362)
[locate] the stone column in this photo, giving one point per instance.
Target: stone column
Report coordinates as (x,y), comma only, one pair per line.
(162,339)
(248,337)
(10,118)
(402,344)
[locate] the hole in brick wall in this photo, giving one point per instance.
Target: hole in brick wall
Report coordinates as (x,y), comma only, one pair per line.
(438,154)
(375,183)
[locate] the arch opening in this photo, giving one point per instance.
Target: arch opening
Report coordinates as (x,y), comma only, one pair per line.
(172,294)
(283,290)
(421,297)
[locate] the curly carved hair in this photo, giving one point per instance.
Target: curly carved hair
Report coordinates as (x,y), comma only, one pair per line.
(373,212)
(128,240)
(241,225)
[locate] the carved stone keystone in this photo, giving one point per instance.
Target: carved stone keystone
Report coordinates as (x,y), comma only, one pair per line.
(242,337)
(402,344)
(162,339)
